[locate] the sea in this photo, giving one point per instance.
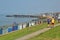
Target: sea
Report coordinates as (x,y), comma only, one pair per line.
(10,20)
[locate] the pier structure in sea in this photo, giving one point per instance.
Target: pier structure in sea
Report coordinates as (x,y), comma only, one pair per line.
(28,16)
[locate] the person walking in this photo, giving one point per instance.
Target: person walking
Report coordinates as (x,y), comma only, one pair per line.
(52,22)
(48,21)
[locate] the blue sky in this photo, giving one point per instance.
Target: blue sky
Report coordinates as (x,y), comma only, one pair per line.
(29,6)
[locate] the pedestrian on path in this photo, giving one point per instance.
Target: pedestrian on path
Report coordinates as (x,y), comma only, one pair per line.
(48,21)
(52,22)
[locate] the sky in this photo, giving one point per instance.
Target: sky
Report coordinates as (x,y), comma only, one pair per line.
(29,6)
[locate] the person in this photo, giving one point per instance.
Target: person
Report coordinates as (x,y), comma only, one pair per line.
(48,21)
(52,22)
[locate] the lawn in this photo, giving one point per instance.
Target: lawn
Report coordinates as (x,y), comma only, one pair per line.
(52,34)
(20,33)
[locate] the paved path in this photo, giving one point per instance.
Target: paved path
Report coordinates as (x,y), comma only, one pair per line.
(35,33)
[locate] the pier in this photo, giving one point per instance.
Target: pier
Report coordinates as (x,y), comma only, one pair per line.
(32,16)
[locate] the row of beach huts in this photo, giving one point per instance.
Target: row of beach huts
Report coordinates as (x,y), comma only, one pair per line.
(8,29)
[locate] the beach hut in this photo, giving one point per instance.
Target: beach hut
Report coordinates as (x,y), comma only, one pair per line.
(32,23)
(20,26)
(1,30)
(9,29)
(24,25)
(5,30)
(36,23)
(15,26)
(27,24)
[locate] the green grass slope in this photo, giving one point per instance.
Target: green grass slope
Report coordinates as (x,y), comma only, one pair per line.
(53,34)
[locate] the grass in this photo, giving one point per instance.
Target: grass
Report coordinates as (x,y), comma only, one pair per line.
(20,33)
(53,34)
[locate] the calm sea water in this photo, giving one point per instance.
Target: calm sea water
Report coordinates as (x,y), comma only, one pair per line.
(9,20)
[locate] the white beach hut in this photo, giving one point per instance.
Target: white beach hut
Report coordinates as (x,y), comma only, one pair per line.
(24,25)
(32,23)
(20,27)
(5,30)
